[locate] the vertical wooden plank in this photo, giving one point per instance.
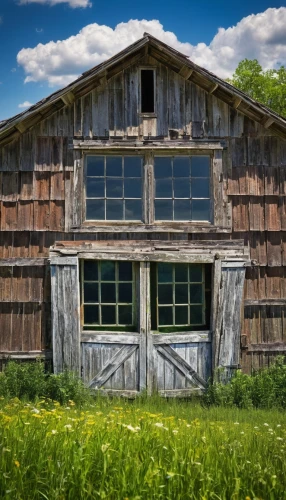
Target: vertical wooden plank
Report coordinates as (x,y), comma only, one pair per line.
(65,315)
(162,100)
(100,123)
(144,312)
(131,105)
(176,102)
(116,105)
(77,118)
(87,116)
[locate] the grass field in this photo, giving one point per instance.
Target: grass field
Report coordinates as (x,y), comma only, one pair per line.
(148,449)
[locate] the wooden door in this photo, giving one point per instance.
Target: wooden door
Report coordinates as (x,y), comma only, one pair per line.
(114,361)
(179,363)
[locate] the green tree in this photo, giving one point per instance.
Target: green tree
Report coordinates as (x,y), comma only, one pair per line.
(267,87)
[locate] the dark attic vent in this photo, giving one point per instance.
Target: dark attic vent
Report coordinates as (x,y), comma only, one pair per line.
(147,91)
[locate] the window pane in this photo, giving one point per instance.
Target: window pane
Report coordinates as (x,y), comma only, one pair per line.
(108,315)
(165,273)
(181,167)
(165,316)
(133,210)
(108,293)
(182,188)
(114,209)
(196,294)
(201,210)
(181,315)
(125,271)
(181,294)
(164,188)
(107,270)
(163,209)
(182,210)
(91,292)
(132,188)
(125,292)
(165,294)
(94,187)
(162,167)
(196,273)
(181,273)
(132,166)
(125,315)
(90,270)
(114,166)
(200,188)
(95,165)
(196,315)
(91,315)
(200,166)
(114,188)
(95,209)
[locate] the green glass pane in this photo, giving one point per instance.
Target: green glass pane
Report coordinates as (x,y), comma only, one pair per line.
(113,166)
(162,167)
(164,188)
(181,294)
(133,210)
(91,315)
(94,187)
(200,166)
(181,273)
(181,167)
(165,316)
(181,315)
(125,271)
(163,209)
(196,294)
(132,188)
(114,209)
(108,315)
(90,292)
(133,166)
(165,274)
(125,315)
(201,210)
(196,315)
(114,188)
(182,188)
(94,209)
(95,165)
(200,188)
(108,293)
(107,270)
(182,210)
(90,270)
(196,273)
(125,292)
(165,294)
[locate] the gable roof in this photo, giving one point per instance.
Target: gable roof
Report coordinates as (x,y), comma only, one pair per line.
(180,63)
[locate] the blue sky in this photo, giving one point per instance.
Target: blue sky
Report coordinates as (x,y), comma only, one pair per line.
(48,43)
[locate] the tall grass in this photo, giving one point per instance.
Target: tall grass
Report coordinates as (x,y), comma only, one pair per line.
(148,449)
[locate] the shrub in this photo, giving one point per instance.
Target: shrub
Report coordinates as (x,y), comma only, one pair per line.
(265,388)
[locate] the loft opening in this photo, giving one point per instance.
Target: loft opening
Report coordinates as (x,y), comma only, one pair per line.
(147,91)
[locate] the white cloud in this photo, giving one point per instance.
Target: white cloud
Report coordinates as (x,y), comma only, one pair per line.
(25,104)
(72,3)
(261,36)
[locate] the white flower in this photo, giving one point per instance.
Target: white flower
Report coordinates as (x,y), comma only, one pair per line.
(279,439)
(266,425)
(68,426)
(159,424)
(278,425)
(35,410)
(236,423)
(175,431)
(54,431)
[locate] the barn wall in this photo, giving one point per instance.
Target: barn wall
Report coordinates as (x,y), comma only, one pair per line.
(37,196)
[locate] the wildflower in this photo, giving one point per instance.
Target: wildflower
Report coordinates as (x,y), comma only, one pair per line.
(104,447)
(242,432)
(54,431)
(35,410)
(68,426)
(279,439)
(175,431)
(17,463)
(266,425)
(278,425)
(236,423)
(159,424)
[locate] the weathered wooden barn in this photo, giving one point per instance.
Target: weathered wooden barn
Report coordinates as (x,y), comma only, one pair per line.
(143,226)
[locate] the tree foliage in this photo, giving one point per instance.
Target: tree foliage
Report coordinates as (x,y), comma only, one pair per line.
(267,87)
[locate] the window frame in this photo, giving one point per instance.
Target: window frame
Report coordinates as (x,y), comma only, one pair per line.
(148,194)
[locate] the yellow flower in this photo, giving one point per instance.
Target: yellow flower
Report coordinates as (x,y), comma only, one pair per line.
(17,463)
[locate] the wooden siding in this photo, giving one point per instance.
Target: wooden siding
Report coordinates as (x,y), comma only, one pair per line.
(40,188)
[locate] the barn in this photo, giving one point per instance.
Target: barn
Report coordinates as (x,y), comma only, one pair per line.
(143,227)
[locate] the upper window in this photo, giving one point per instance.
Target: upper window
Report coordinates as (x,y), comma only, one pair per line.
(176,188)
(147,91)
(114,188)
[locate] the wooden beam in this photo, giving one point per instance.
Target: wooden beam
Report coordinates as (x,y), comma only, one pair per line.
(186,72)
(268,123)
(273,347)
(237,102)
(68,98)
(26,354)
(265,302)
(213,88)
(21,127)
(22,262)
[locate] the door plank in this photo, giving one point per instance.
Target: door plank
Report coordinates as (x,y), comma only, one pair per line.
(181,365)
(122,355)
